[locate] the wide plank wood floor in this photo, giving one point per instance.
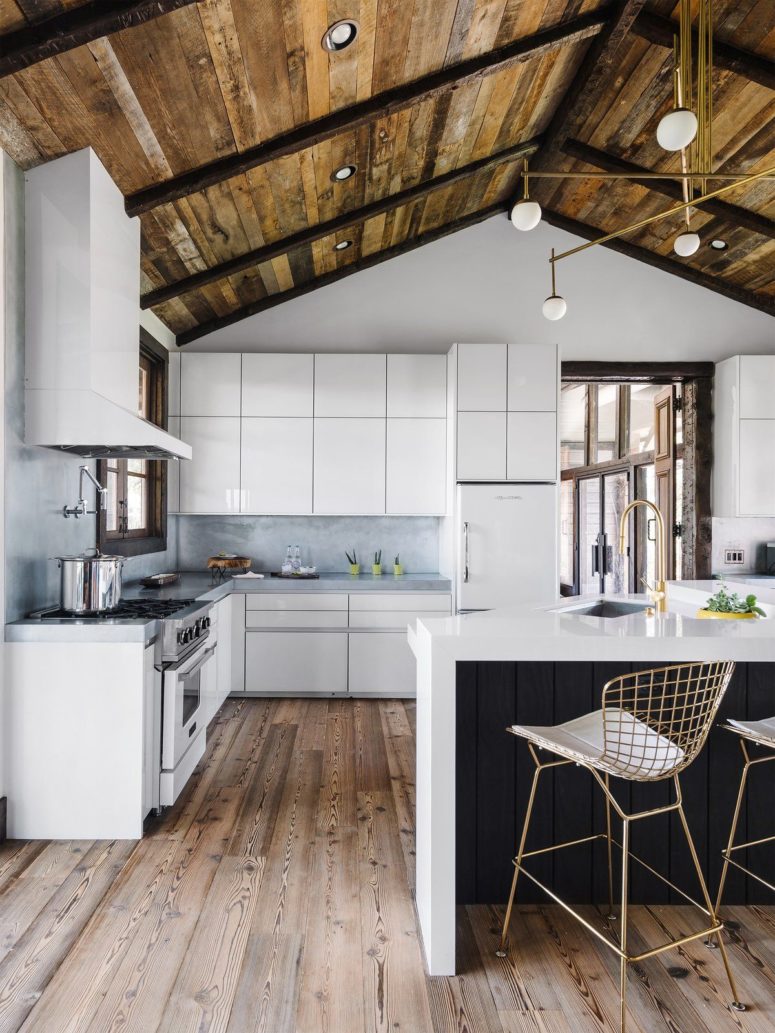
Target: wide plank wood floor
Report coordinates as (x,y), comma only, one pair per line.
(276,896)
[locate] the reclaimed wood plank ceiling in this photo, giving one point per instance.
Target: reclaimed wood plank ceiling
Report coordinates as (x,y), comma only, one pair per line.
(219,84)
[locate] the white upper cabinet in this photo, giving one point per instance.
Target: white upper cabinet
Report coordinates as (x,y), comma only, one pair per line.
(757,387)
(416,464)
(481,446)
(350,385)
(277,384)
(349,466)
(210,384)
(210,481)
(532,379)
(417,386)
(481,377)
(757,468)
(276,465)
(531,447)
(173,384)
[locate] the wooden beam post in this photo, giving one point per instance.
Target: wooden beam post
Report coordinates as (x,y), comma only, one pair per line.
(73,28)
(670,188)
(697,536)
(363,113)
(267,252)
(667,265)
(755,67)
(339,274)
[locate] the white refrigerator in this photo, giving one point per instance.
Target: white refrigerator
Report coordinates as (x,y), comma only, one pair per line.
(507,545)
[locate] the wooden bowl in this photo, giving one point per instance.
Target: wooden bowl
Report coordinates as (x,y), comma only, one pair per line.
(224,563)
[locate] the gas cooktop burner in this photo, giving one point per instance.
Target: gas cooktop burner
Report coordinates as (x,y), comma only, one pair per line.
(128,609)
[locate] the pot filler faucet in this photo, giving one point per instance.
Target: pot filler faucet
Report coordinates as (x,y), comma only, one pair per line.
(79,509)
(658,593)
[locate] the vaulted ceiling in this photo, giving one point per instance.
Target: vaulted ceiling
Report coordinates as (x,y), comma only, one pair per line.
(222,121)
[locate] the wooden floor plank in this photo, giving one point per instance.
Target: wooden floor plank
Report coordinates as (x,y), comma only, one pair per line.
(276,896)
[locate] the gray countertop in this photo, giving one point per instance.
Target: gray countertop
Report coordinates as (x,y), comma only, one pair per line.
(199,585)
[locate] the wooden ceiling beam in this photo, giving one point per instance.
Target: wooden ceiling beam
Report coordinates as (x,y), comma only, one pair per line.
(730,213)
(382,105)
(667,265)
(367,262)
(73,28)
(309,234)
(745,63)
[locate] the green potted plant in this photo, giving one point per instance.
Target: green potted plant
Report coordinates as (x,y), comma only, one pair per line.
(376,567)
(397,568)
(726,605)
(355,567)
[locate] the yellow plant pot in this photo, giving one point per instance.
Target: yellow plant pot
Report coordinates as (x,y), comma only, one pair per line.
(717,615)
(376,568)
(398,568)
(355,568)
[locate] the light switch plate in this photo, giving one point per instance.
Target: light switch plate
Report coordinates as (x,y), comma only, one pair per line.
(734,556)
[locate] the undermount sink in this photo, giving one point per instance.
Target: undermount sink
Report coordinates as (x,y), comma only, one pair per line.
(604,608)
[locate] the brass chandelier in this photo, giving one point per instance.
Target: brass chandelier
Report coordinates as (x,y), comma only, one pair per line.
(686,129)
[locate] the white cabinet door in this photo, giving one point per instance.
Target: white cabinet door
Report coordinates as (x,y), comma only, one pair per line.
(237,641)
(481,377)
(210,384)
(532,446)
(277,384)
(757,468)
(223,653)
(532,385)
(416,466)
(296,662)
(349,466)
(481,446)
(173,470)
(381,664)
(417,385)
(276,465)
(210,481)
(350,385)
(757,387)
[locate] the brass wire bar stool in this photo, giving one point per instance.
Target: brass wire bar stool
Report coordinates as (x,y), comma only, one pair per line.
(651,726)
(761,733)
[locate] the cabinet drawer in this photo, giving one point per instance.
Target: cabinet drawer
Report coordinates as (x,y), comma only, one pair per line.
(381,664)
(296,619)
(400,601)
(296,661)
(296,601)
(393,619)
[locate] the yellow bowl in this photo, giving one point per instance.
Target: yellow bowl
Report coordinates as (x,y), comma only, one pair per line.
(717,615)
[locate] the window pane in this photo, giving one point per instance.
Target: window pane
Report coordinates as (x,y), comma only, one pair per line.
(646,530)
(642,417)
(111,517)
(566,533)
(573,412)
(136,503)
(138,466)
(607,416)
(144,398)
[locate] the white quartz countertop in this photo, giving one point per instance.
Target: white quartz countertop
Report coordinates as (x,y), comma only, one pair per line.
(555,633)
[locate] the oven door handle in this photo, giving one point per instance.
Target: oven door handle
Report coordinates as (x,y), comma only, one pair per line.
(197,667)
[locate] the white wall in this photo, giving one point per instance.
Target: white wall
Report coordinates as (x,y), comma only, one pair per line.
(487,283)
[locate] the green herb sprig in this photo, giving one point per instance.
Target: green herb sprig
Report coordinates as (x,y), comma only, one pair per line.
(378,558)
(352,560)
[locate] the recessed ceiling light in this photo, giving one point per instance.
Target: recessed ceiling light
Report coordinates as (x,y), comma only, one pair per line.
(718,244)
(344,172)
(342,245)
(340,35)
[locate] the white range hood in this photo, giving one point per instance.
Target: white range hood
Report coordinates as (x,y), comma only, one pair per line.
(83,316)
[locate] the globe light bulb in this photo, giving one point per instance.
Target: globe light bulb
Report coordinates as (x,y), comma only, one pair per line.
(677,129)
(554,307)
(526,214)
(686,244)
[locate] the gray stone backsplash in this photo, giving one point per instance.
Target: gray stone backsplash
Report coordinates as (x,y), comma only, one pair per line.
(323,540)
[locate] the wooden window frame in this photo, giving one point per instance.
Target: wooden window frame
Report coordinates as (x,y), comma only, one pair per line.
(154,538)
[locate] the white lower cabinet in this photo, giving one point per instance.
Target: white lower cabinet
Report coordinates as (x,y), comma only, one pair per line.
(296,662)
(381,664)
(222,612)
(237,601)
(210,481)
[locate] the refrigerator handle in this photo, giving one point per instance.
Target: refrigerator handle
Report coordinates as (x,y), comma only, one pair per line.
(465,552)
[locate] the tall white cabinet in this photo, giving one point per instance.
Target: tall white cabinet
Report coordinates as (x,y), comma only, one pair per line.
(744,436)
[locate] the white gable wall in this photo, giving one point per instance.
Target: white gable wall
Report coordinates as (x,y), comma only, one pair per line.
(487,283)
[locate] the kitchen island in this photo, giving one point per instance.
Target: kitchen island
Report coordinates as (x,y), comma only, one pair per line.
(478,673)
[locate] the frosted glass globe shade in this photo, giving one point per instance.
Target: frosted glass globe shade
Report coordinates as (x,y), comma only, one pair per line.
(677,129)
(686,244)
(526,215)
(554,307)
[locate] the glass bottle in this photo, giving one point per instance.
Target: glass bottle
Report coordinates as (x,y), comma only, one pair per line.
(287,566)
(296,559)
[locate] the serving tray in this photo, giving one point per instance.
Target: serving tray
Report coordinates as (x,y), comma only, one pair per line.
(295,577)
